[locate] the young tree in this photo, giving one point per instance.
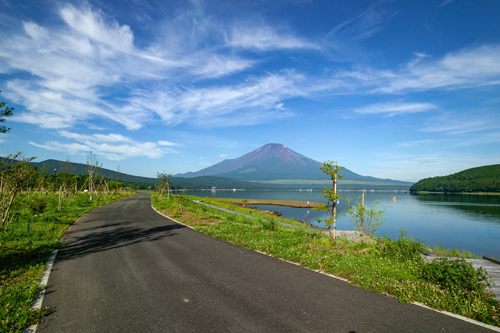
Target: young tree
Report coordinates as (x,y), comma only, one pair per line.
(331,196)
(14,170)
(164,179)
(93,171)
(65,175)
(5,112)
(365,220)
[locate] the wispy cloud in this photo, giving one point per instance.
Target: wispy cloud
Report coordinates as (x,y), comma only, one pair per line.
(446,2)
(416,143)
(365,24)
(222,155)
(112,146)
(265,38)
(253,102)
(471,67)
(390,109)
(166,143)
(425,160)
(457,124)
(77,67)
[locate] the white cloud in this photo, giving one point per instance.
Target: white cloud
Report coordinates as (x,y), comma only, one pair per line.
(93,26)
(482,139)
(250,103)
(365,24)
(95,137)
(392,109)
(467,68)
(265,38)
(214,66)
(166,143)
(424,160)
(222,155)
(409,144)
(75,66)
(105,145)
(453,124)
(81,64)
(446,2)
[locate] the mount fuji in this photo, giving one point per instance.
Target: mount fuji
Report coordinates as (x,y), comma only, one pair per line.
(273,161)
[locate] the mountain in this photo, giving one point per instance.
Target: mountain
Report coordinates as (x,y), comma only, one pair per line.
(204,182)
(480,179)
(273,162)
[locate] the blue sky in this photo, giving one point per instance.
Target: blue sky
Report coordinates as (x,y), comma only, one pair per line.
(391,89)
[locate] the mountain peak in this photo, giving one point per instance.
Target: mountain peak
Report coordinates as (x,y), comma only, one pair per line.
(273,161)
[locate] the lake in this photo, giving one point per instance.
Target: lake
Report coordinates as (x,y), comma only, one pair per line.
(468,222)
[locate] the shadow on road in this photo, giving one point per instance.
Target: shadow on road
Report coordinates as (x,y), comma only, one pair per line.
(104,240)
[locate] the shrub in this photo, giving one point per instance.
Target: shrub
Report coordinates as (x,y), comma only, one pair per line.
(37,204)
(269,224)
(403,248)
(456,274)
(365,220)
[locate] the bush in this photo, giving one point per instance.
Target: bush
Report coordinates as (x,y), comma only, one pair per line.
(270,225)
(402,249)
(456,274)
(37,204)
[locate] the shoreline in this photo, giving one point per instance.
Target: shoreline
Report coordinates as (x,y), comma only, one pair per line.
(455,193)
(282,203)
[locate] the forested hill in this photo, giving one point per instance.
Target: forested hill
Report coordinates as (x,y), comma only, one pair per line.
(480,179)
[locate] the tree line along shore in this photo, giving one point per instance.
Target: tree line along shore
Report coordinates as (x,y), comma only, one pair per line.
(480,180)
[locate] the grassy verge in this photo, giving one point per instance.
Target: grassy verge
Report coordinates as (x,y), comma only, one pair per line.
(393,267)
(25,248)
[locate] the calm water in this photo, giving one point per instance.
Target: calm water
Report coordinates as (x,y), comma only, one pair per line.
(470,222)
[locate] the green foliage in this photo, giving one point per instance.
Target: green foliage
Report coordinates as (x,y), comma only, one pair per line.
(365,220)
(5,112)
(37,204)
(401,249)
(331,195)
(164,184)
(269,224)
(33,220)
(14,170)
(456,274)
(481,179)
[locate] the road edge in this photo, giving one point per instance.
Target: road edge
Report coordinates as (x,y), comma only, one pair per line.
(44,279)
(472,321)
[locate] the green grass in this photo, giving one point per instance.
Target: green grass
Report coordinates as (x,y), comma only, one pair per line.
(25,248)
(388,266)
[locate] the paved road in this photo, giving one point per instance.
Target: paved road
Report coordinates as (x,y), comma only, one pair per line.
(126,268)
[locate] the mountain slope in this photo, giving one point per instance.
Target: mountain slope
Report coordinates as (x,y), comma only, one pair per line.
(271,162)
(480,179)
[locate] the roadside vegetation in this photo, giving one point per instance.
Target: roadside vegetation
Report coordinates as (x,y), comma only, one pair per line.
(35,212)
(390,266)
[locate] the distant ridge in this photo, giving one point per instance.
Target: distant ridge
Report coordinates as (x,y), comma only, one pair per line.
(273,161)
(271,167)
(204,182)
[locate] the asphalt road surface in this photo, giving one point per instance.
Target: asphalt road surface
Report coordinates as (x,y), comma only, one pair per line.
(126,268)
